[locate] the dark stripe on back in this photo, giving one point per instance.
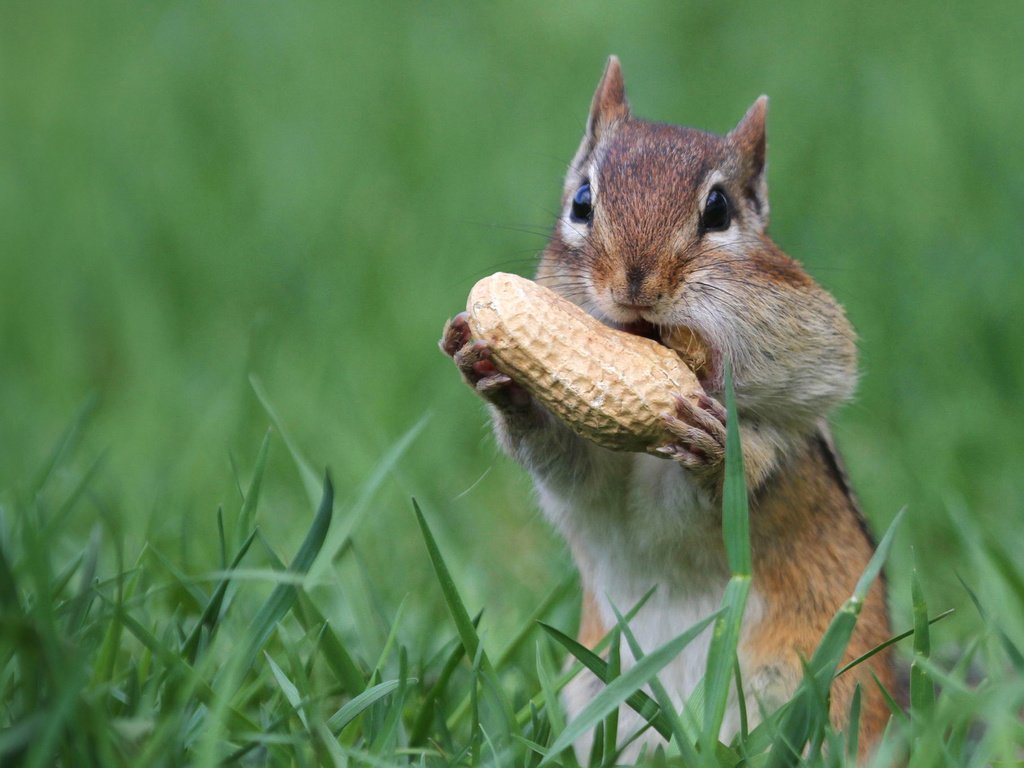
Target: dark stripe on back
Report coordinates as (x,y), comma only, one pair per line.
(834,462)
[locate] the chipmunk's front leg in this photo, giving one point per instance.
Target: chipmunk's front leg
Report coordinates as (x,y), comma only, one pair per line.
(697,443)
(526,431)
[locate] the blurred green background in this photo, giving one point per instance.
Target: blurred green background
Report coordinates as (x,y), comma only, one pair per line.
(196,192)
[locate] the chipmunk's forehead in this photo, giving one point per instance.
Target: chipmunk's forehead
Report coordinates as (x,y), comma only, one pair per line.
(669,158)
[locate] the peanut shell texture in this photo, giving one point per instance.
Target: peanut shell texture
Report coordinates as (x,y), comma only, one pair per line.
(609,386)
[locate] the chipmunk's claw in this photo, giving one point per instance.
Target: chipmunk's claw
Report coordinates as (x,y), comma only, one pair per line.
(456,334)
(473,359)
(698,432)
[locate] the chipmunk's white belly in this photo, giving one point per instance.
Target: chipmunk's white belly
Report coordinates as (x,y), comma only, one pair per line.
(649,527)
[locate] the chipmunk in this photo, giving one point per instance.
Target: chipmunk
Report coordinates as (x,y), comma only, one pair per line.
(662,232)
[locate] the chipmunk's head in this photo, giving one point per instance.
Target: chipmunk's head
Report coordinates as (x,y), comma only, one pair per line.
(662,228)
(646,202)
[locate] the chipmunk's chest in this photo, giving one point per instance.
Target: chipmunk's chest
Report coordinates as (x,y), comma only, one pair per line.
(640,522)
(645,525)
(660,533)
(649,527)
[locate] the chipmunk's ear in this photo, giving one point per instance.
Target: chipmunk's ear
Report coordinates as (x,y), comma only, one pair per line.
(749,136)
(748,139)
(609,104)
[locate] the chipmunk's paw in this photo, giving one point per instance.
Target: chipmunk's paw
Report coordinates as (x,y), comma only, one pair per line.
(698,435)
(473,359)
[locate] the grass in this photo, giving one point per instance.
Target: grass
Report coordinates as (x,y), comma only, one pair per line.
(235,233)
(116,660)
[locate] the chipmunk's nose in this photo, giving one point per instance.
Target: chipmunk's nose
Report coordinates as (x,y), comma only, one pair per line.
(634,293)
(635,277)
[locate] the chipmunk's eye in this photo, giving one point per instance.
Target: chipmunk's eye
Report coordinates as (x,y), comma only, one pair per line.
(717,214)
(582,210)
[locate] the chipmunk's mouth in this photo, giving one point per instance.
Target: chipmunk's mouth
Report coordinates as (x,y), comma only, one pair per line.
(684,341)
(642,328)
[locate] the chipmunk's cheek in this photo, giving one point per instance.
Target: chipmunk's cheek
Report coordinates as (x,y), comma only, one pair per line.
(711,376)
(695,352)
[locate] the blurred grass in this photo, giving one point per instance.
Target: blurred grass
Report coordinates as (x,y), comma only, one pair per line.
(134,663)
(196,192)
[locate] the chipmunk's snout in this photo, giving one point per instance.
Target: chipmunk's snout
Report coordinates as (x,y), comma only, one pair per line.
(635,279)
(634,289)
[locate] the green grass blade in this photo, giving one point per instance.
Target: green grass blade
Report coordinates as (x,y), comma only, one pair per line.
(211,611)
(596,756)
(816,692)
(1016,657)
(220,718)
(83,599)
(611,720)
(722,659)
(222,539)
(187,584)
(692,713)
(491,745)
(284,596)
(340,535)
(58,520)
(736,531)
(106,659)
(41,753)
(337,656)
(530,625)
(291,693)
(10,603)
(523,715)
(1007,569)
(741,701)
(892,641)
(639,701)
(547,685)
(67,441)
(878,559)
(430,699)
(392,637)
(922,689)
(305,469)
(1011,574)
(853,729)
(618,690)
(830,650)
(667,711)
(378,615)
(15,739)
(162,651)
(735,512)
(463,624)
(894,706)
(474,708)
(330,745)
(247,515)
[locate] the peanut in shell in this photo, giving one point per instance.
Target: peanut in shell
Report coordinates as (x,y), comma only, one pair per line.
(609,386)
